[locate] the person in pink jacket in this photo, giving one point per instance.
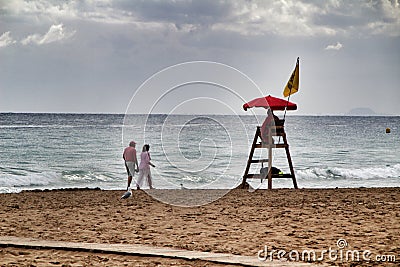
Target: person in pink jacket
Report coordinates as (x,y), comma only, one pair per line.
(144,168)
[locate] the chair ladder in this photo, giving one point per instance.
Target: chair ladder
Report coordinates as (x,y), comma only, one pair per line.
(274,131)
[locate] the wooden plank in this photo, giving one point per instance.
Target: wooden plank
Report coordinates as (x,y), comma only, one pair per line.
(258,176)
(265,145)
(286,175)
(253,176)
(270,163)
(290,163)
(256,135)
(143,251)
(259,160)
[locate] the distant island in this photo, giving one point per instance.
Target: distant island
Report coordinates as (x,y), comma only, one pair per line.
(361,112)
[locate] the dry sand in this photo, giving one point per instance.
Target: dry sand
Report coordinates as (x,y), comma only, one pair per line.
(239,223)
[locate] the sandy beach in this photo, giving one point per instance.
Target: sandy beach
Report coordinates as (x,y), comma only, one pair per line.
(240,223)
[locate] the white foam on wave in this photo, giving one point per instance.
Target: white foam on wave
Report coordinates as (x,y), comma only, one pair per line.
(51,180)
(347,173)
(89,176)
(307,178)
(33,179)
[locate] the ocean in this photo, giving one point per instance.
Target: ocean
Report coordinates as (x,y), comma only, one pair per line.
(50,151)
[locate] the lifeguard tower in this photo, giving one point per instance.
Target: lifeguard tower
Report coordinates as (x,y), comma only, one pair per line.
(276,138)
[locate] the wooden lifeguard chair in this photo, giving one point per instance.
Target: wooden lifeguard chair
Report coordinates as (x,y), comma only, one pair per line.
(275,130)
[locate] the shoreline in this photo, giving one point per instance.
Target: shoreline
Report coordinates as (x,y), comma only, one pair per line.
(72,189)
(239,223)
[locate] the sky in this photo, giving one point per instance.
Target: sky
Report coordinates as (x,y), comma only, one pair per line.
(117,56)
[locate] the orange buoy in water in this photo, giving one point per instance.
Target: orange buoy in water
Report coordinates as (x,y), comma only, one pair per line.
(387,130)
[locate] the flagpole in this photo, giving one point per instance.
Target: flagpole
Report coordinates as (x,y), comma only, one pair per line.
(290,92)
(284,115)
(287,103)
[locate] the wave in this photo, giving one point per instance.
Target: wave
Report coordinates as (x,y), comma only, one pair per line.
(346,173)
(308,178)
(32,179)
(87,176)
(15,182)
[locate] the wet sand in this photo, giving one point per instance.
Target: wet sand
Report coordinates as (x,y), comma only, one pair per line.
(241,223)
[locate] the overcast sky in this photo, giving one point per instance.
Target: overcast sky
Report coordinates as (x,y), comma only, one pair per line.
(91,56)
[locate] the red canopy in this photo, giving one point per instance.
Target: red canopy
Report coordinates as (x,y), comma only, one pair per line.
(271,102)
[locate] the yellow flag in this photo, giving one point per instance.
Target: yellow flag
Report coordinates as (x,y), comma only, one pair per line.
(292,85)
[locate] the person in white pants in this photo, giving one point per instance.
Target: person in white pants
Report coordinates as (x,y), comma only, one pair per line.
(144,168)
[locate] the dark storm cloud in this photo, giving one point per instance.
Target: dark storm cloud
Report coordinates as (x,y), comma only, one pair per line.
(355,16)
(202,13)
(280,18)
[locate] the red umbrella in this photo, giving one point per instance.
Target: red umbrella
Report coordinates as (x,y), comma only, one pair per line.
(271,102)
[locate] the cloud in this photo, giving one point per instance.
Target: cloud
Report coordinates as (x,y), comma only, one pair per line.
(257,17)
(361,18)
(247,18)
(55,33)
(6,39)
(337,46)
(40,9)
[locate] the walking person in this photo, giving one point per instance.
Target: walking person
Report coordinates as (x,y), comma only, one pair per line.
(130,158)
(144,168)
